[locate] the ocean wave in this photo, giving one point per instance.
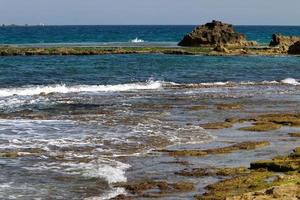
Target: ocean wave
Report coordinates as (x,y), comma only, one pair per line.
(137,40)
(47,89)
(148,85)
(290,81)
(287,81)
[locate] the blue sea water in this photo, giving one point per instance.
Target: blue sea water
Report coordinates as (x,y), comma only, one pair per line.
(79,123)
(122,34)
(121,69)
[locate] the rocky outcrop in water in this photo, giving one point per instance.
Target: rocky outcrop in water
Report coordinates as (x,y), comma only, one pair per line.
(283,42)
(215,33)
(294,48)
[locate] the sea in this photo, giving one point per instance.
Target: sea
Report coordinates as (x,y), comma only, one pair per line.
(73,127)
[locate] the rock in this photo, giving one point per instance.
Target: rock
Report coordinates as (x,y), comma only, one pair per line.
(223,150)
(200,172)
(221,48)
(285,192)
(294,48)
(294,134)
(261,182)
(261,127)
(232,106)
(198,107)
(283,42)
(235,186)
(121,197)
(217,125)
(160,187)
(280,163)
(214,34)
(253,186)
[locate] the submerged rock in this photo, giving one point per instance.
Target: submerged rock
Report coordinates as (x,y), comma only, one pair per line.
(217,125)
(261,127)
(294,48)
(280,163)
(262,182)
(200,172)
(213,34)
(232,106)
(223,150)
(294,134)
(156,188)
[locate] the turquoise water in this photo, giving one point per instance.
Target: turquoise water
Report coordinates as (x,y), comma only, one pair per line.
(102,35)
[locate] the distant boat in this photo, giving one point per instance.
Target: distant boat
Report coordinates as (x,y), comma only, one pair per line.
(41,24)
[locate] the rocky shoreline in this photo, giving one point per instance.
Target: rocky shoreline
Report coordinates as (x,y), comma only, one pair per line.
(212,39)
(84,51)
(262,179)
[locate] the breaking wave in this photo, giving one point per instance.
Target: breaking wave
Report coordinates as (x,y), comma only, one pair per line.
(137,40)
(287,81)
(36,90)
(290,81)
(148,85)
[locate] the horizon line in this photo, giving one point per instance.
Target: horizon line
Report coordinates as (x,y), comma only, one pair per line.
(2,24)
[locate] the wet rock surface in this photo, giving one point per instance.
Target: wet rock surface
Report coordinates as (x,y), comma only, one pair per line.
(223,150)
(280,163)
(156,188)
(261,127)
(262,182)
(294,134)
(285,192)
(200,172)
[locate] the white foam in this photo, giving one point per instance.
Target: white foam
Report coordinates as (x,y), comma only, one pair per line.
(137,40)
(112,171)
(42,89)
(290,81)
(216,83)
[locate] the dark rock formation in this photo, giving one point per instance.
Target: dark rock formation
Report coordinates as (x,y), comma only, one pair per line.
(280,40)
(215,33)
(294,48)
(283,42)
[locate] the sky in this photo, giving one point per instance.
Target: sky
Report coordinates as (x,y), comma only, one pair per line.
(149,12)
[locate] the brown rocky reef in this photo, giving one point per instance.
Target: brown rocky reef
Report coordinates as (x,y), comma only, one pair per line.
(215,33)
(283,42)
(295,48)
(278,178)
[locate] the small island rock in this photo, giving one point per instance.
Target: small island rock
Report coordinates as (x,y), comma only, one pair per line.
(283,42)
(215,34)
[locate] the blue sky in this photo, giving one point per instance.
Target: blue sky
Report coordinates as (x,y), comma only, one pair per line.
(60,12)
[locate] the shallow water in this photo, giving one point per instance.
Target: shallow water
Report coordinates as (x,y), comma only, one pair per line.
(82,123)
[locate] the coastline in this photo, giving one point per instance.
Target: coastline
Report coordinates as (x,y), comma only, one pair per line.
(242,130)
(155,139)
(81,51)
